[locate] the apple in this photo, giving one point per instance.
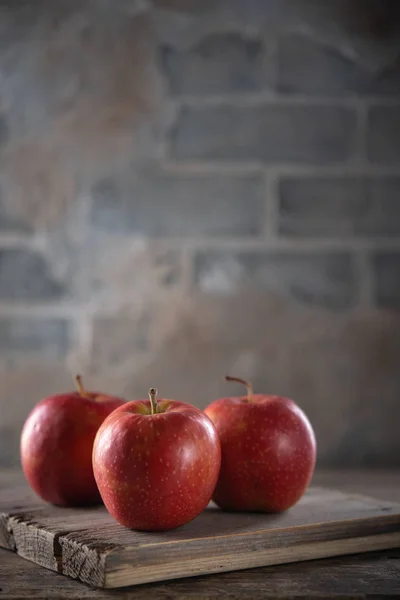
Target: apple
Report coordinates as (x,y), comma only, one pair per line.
(156,463)
(268,451)
(57,443)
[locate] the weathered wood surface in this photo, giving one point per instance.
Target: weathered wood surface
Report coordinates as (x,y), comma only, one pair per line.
(87,544)
(356,577)
(372,575)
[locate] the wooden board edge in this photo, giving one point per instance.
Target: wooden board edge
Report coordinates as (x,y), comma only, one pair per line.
(82,562)
(128,575)
(32,542)
(6,535)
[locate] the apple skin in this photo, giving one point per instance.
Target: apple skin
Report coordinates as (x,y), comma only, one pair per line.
(268,452)
(56,446)
(156,471)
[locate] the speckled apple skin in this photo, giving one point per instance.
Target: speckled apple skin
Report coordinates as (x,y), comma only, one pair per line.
(156,472)
(268,453)
(56,446)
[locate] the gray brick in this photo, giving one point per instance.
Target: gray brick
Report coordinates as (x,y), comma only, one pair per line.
(168,205)
(220,63)
(26,275)
(304,134)
(92,84)
(49,337)
(383,140)
(324,279)
(386,268)
(339,206)
(306,66)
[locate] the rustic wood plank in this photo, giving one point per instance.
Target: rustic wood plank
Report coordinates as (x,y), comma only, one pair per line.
(367,576)
(87,544)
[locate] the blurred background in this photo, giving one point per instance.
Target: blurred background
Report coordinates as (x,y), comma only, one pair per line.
(190,188)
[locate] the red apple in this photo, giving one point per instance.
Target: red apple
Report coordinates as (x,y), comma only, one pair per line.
(268,451)
(57,442)
(156,463)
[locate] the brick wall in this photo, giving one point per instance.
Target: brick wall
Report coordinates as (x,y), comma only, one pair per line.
(190,188)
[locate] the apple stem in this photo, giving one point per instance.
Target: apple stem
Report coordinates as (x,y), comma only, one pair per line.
(248,386)
(153,400)
(80,386)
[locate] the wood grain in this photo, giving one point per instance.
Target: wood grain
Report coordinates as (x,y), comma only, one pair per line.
(357,577)
(88,545)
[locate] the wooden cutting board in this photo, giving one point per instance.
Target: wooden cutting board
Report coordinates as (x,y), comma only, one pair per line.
(89,545)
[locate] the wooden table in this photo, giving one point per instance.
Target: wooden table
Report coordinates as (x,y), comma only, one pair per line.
(373,575)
